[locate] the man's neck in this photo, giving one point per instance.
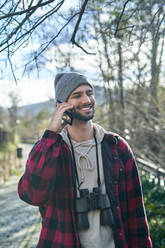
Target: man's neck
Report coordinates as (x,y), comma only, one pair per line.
(81,131)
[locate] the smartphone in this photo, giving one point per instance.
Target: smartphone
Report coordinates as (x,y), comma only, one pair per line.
(67,116)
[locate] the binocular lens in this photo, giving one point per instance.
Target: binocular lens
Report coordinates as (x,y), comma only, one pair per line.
(95,200)
(83,223)
(106,218)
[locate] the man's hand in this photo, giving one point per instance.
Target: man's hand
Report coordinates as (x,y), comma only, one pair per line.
(57,124)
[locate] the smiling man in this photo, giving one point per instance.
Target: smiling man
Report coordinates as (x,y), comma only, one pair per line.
(83,178)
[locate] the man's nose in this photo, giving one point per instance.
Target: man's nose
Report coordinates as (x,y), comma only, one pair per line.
(86,99)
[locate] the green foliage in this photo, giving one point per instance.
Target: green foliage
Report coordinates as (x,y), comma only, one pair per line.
(154,199)
(9,147)
(101,117)
(161,98)
(43,114)
(157,229)
(17,171)
(32,126)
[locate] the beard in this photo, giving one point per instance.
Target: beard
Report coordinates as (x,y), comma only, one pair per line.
(84,118)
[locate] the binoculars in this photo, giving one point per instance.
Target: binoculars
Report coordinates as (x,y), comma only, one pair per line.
(93,201)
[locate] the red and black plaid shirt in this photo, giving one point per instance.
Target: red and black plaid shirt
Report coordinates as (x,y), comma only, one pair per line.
(48,182)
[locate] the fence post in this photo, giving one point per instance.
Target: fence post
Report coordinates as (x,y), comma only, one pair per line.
(158,176)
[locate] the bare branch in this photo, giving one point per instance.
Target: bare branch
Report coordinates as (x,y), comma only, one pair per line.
(48,43)
(16,29)
(118,22)
(78,45)
(40,4)
(159,9)
(157,32)
(11,66)
(78,21)
(42,19)
(77,26)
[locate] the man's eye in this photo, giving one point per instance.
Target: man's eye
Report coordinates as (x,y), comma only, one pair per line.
(90,93)
(76,96)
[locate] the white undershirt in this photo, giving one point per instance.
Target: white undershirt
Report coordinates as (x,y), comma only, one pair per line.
(97,236)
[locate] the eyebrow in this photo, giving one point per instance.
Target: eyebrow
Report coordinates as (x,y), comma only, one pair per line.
(80,92)
(76,93)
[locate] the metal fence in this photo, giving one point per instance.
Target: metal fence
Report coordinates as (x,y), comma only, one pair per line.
(155,172)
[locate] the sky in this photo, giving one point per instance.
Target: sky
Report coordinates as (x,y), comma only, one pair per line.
(28,91)
(33,90)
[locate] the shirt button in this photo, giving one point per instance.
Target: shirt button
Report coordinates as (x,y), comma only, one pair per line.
(121,169)
(120,234)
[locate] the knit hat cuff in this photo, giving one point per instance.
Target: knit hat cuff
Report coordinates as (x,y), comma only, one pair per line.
(65,83)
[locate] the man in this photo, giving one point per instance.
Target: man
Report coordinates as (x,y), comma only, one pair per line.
(84,179)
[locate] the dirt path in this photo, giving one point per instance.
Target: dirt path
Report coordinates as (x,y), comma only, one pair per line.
(19,222)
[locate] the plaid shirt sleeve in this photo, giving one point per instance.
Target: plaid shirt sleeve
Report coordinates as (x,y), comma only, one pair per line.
(36,185)
(138,231)
(47,183)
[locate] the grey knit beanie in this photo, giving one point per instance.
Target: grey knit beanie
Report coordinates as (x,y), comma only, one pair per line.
(65,83)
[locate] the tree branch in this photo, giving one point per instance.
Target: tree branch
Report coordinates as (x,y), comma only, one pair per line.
(11,66)
(28,10)
(118,22)
(77,26)
(48,43)
(78,45)
(78,21)
(29,31)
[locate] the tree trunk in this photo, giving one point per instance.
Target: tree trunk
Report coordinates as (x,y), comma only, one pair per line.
(154,77)
(121,90)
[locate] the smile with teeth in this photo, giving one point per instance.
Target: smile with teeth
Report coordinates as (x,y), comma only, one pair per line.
(85,108)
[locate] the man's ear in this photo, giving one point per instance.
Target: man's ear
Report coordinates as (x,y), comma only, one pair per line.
(57,103)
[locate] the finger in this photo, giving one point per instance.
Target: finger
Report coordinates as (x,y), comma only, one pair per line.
(64,106)
(61,109)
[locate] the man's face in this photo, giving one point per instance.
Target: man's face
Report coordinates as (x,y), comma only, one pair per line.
(83,100)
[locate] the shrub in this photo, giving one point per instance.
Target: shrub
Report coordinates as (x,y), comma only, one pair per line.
(154,199)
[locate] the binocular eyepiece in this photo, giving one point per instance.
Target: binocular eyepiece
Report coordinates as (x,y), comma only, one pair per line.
(93,201)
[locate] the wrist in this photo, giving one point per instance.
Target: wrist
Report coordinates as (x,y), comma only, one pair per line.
(52,129)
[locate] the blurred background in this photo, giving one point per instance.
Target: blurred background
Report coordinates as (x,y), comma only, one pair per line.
(119,46)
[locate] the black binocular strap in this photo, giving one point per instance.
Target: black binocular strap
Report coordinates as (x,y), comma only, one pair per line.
(74,160)
(97,161)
